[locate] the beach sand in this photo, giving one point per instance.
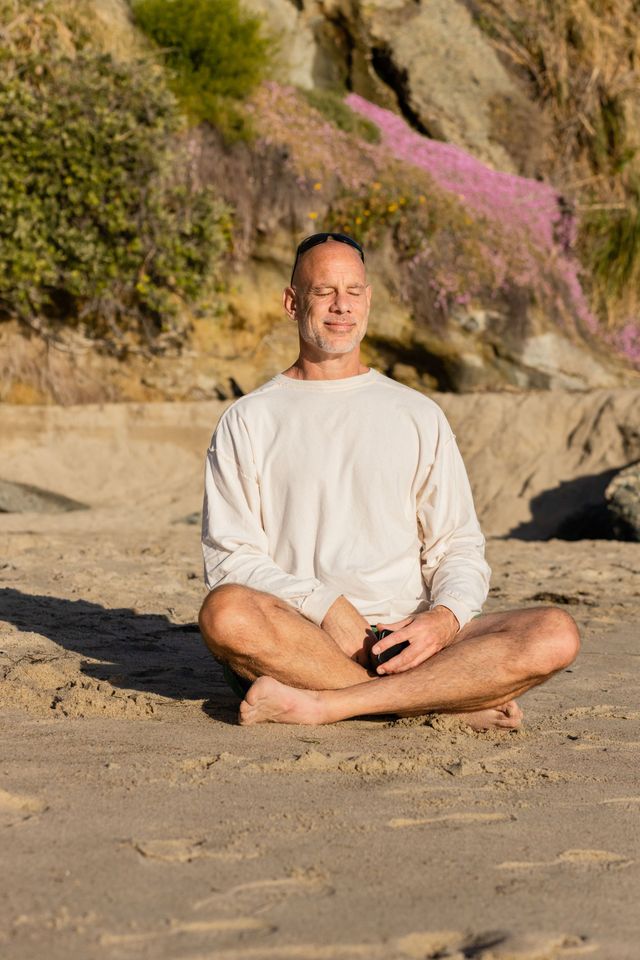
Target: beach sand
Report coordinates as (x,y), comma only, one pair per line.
(140,821)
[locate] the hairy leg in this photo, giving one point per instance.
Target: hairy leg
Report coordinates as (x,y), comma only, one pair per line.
(257,634)
(496,658)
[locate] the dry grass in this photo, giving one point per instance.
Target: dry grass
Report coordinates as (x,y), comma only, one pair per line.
(42,26)
(582,59)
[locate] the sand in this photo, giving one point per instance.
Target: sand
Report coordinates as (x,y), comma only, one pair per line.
(139,821)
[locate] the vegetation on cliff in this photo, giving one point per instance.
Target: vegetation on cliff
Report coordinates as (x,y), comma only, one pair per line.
(467,234)
(117,152)
(581,59)
(102,223)
(216,53)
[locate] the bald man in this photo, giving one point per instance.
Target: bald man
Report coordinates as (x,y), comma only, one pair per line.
(343,556)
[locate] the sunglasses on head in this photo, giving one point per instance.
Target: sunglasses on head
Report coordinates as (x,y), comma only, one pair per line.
(317,238)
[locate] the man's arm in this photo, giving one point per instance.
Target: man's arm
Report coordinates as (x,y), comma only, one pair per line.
(234,544)
(453,564)
(348,629)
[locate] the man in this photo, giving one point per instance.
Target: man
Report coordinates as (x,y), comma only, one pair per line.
(337,507)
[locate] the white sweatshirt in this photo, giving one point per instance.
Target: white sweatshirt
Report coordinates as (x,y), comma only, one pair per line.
(355,487)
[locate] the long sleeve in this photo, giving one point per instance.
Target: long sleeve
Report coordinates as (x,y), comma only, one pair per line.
(234,543)
(452,555)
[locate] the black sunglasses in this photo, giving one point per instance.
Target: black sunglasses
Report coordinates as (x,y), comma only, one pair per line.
(317,238)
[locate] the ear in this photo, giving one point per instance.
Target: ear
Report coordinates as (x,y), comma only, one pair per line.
(289,302)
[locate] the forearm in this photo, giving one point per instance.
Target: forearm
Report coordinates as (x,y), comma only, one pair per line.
(347,628)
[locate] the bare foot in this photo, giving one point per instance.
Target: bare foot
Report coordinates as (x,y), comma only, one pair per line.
(507,717)
(268,700)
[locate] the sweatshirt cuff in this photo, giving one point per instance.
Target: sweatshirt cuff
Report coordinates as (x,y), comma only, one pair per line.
(315,606)
(461,610)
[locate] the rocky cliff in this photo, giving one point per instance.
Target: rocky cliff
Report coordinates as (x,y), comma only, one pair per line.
(451,184)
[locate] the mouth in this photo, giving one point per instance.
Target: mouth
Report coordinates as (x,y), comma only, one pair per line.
(338,326)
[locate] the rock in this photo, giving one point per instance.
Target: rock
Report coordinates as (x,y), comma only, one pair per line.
(564,365)
(447,77)
(429,61)
(192,520)
(298,56)
(25,498)
(623,499)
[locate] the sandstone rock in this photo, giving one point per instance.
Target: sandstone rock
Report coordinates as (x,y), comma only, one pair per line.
(27,498)
(565,365)
(298,57)
(623,498)
(429,61)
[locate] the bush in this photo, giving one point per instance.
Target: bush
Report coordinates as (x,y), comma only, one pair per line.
(217,52)
(331,105)
(99,224)
(610,241)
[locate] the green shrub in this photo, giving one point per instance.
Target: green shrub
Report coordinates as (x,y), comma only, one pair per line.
(331,105)
(218,54)
(610,247)
(99,222)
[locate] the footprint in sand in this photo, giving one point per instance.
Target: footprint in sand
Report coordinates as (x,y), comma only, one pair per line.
(606,711)
(399,822)
(364,764)
(186,850)
(630,800)
(492,946)
(261,895)
(15,808)
(424,945)
(602,859)
(195,928)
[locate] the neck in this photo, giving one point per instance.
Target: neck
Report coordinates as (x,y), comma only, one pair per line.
(328,367)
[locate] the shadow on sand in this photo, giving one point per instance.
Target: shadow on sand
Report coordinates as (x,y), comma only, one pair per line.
(138,651)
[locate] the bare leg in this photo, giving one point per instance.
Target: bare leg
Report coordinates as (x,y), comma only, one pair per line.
(258,634)
(496,658)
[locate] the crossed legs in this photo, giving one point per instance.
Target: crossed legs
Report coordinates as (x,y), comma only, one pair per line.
(303,677)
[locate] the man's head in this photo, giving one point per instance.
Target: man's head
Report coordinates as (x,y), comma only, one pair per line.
(329,297)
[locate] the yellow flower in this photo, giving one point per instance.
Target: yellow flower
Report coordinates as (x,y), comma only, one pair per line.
(367,212)
(317,186)
(402,201)
(313,215)
(376,185)
(422,199)
(358,219)
(392,207)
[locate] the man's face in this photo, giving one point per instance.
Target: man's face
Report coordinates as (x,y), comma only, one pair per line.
(330,298)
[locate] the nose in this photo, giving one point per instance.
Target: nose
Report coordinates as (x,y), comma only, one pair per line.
(341,303)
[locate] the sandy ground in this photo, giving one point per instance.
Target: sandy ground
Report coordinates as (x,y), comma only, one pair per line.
(139,821)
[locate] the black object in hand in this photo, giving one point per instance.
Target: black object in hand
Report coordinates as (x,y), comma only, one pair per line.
(379,658)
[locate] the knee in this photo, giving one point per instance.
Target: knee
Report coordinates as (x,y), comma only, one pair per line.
(559,640)
(225,616)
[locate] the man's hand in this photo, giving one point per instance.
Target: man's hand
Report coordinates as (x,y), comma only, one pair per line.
(348,629)
(427,633)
